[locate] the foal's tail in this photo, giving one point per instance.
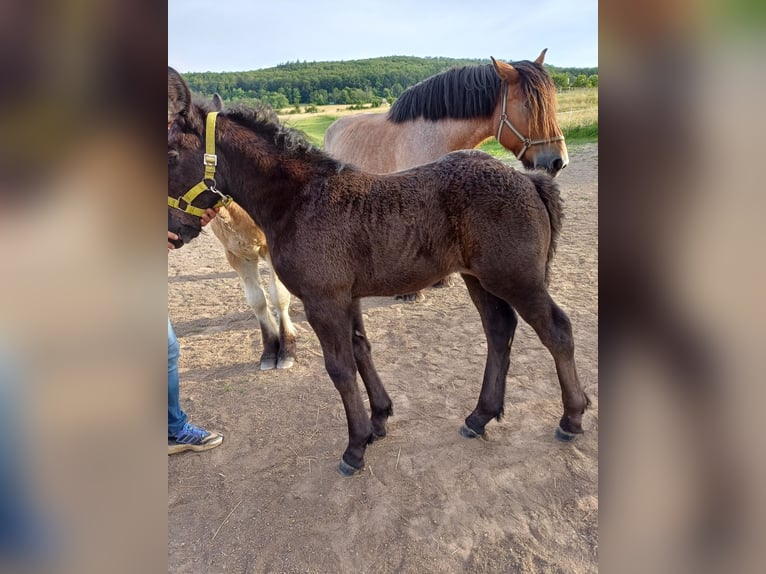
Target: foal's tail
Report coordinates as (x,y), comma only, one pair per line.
(549,193)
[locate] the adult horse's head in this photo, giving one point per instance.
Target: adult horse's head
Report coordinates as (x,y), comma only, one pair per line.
(526,116)
(191,161)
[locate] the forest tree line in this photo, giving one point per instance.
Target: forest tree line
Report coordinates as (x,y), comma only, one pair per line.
(356,82)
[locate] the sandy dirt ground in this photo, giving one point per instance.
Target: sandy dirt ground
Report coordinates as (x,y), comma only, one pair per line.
(270,498)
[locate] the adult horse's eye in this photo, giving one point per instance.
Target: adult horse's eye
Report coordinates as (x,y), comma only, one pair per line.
(172,157)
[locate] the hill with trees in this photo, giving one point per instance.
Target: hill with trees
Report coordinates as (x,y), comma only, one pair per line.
(356,82)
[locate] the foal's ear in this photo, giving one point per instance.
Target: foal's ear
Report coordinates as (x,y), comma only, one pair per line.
(217,102)
(179,96)
(541,57)
(506,71)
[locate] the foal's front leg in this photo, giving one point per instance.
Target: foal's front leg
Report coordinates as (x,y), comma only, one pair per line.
(332,321)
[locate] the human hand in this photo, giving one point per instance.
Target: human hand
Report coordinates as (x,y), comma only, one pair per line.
(210,213)
(172,237)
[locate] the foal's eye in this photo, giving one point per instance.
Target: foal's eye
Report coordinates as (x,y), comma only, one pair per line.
(172,157)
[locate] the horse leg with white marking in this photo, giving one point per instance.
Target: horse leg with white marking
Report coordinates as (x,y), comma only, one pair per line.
(280,298)
(256,298)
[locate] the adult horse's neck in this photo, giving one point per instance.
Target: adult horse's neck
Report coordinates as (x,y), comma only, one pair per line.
(467,134)
(421,141)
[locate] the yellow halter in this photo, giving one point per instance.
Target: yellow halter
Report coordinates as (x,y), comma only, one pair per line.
(209,160)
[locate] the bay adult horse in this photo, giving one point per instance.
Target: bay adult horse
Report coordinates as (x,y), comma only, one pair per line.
(458,109)
(338,234)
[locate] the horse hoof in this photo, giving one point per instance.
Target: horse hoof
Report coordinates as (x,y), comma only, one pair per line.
(410,297)
(470,433)
(268,363)
(285,362)
(564,436)
(446,282)
(346,469)
(377,436)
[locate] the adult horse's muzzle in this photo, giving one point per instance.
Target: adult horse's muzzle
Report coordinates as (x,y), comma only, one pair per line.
(548,158)
(552,162)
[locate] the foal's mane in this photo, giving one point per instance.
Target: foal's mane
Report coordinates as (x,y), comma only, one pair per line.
(261,118)
(469,92)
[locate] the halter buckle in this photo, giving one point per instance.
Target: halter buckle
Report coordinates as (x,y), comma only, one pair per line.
(210,160)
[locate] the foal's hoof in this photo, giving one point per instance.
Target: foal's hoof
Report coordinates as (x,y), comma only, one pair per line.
(346,469)
(565,436)
(377,436)
(268,363)
(467,432)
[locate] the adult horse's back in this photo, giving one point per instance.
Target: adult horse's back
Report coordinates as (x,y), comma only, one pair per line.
(458,109)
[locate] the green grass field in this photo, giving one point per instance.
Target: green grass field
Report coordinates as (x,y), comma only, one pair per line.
(577,117)
(313,126)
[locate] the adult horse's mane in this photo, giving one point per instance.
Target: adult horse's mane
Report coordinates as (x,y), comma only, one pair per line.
(459,93)
(471,92)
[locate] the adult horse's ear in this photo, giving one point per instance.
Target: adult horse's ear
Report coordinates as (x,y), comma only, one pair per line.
(179,96)
(217,102)
(506,72)
(541,57)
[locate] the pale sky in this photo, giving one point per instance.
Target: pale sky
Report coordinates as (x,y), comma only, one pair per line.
(240,35)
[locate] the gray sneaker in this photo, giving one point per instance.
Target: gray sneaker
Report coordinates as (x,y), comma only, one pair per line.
(193,438)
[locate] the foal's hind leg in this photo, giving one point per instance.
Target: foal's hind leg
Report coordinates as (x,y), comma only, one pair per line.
(499,321)
(332,321)
(555,331)
(380,403)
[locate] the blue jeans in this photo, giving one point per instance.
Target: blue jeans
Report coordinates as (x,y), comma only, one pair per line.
(176,416)
(21,527)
